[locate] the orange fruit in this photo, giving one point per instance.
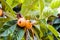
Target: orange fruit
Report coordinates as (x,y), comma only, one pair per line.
(1,12)
(21,22)
(28,24)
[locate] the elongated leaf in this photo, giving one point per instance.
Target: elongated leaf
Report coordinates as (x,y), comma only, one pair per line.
(9,2)
(41,34)
(10,23)
(20,34)
(41,6)
(36,34)
(51,28)
(8,31)
(53,31)
(55,3)
(50,37)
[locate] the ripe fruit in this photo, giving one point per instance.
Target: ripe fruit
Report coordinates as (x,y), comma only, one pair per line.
(21,22)
(24,23)
(1,12)
(28,24)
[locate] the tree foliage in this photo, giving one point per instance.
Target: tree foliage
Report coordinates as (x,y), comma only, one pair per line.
(43,12)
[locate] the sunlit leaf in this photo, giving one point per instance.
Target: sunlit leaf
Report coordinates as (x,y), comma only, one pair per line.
(53,30)
(9,2)
(41,6)
(27,6)
(55,3)
(50,37)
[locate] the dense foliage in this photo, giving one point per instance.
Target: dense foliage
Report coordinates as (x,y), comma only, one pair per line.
(30,20)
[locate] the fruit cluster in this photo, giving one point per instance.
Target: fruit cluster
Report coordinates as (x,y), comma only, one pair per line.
(24,23)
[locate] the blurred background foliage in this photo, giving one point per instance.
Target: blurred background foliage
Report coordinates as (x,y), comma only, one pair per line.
(46,13)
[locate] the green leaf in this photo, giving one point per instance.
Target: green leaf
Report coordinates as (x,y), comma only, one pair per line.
(56,21)
(41,34)
(48,1)
(5,25)
(15,3)
(20,34)
(1,24)
(51,28)
(25,6)
(43,26)
(47,27)
(21,1)
(41,6)
(47,12)
(36,33)
(53,31)
(50,37)
(23,38)
(10,23)
(37,27)
(2,19)
(28,6)
(55,3)
(9,2)
(8,31)
(32,15)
